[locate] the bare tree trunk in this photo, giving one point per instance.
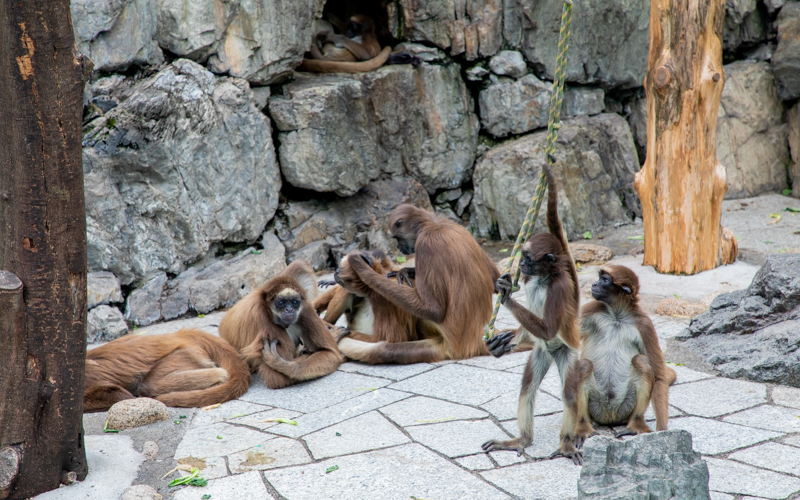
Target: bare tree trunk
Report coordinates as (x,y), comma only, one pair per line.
(681,184)
(42,248)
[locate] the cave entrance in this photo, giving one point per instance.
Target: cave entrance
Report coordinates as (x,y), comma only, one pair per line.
(342,10)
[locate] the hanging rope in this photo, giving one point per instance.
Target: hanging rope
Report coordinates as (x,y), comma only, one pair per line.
(552,133)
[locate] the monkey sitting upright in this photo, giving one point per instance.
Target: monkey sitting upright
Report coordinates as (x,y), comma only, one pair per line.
(279,334)
(621,368)
(550,281)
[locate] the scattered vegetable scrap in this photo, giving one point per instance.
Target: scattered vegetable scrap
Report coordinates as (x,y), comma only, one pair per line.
(237,415)
(177,421)
(435,420)
(205,497)
(775,216)
(281,421)
(587,235)
(331,469)
(504,250)
(255,252)
(181,416)
(792,209)
(219,437)
(186,467)
(210,407)
(201,315)
(193,479)
(106,429)
(786,192)
(401,259)
(640,237)
(338,433)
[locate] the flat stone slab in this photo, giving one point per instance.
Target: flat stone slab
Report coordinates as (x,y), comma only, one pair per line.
(551,383)
(259,420)
(716,495)
(545,480)
(710,437)
(278,452)
(248,485)
(388,474)
(320,419)
(668,327)
(208,323)
(731,477)
(651,415)
(460,384)
(458,438)
(773,418)
(369,431)
(717,397)
(793,441)
(786,396)
(545,435)
(480,461)
(113,464)
(504,458)
(421,410)
(772,456)
(505,407)
(502,363)
(226,411)
(217,440)
(391,372)
(686,375)
(210,467)
(314,394)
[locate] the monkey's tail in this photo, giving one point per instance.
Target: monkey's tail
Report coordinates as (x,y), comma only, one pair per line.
(318,66)
(226,357)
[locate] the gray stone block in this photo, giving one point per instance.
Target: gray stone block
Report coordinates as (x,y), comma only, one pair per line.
(711,437)
(460,384)
(582,101)
(731,477)
(102,287)
(143,306)
(508,63)
(105,323)
(420,410)
(366,432)
(218,440)
(772,456)
(385,474)
(505,407)
(772,418)
(716,397)
(654,466)
(390,372)
(528,97)
(457,438)
(786,396)
(545,480)
(475,462)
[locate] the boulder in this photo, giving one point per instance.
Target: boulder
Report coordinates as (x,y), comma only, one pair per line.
(637,119)
(589,253)
(102,287)
(655,466)
(317,254)
(143,306)
(473,28)
(338,132)
(580,101)
(514,107)
(203,289)
(793,126)
(184,161)
(673,306)
(751,139)
(116,34)
(745,25)
(786,59)
(508,63)
(136,412)
(596,162)
(105,323)
(261,41)
(358,222)
(752,333)
(608,44)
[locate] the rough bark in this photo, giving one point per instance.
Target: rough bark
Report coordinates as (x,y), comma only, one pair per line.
(682,184)
(43,243)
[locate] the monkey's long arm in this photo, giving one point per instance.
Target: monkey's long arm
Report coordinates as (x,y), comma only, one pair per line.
(305,367)
(555,227)
(664,376)
(418,301)
(545,328)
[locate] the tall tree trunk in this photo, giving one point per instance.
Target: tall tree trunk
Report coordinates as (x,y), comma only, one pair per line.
(681,184)
(43,244)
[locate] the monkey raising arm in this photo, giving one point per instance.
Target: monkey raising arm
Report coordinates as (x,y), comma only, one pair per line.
(558,299)
(419,301)
(555,227)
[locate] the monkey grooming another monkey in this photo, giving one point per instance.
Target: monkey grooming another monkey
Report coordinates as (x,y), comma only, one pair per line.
(550,281)
(188,368)
(621,369)
(451,296)
(279,334)
(357,51)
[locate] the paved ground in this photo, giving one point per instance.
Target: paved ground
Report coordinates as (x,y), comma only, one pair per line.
(399,432)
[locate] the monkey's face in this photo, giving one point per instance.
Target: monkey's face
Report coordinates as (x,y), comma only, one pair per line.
(604,289)
(346,278)
(538,256)
(404,225)
(286,307)
(406,242)
(358,25)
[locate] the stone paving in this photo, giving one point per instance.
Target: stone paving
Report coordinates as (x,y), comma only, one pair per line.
(399,432)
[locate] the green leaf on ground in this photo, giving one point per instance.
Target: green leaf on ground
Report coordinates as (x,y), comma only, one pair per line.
(255,252)
(177,421)
(219,437)
(205,497)
(331,469)
(201,315)
(640,237)
(401,259)
(106,429)
(587,235)
(338,433)
(504,250)
(792,209)
(786,192)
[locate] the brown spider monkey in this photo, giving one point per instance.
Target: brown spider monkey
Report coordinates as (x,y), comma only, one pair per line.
(451,295)
(550,282)
(278,332)
(621,369)
(356,51)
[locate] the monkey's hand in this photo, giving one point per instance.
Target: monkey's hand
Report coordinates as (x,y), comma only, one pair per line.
(271,356)
(338,333)
(501,343)
(504,286)
(325,283)
(407,274)
(568,451)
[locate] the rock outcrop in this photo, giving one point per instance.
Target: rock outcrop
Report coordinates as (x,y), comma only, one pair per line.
(793,125)
(751,138)
(396,120)
(786,59)
(595,168)
(745,25)
(105,323)
(102,288)
(752,333)
(656,466)
(528,97)
(185,160)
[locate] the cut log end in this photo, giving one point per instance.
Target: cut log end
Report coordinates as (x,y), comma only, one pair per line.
(663,77)
(716,77)
(9,281)
(69,477)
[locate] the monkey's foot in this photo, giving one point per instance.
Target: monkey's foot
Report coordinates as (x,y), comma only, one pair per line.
(583,432)
(407,274)
(339,333)
(568,451)
(512,445)
(325,283)
(501,343)
(636,426)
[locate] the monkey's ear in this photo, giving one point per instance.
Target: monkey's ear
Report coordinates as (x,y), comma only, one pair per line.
(551,258)
(626,289)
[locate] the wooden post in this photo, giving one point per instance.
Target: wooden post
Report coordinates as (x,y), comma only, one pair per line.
(681,184)
(42,249)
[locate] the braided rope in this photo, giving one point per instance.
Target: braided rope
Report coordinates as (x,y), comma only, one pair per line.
(552,134)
